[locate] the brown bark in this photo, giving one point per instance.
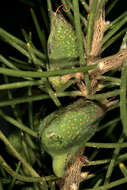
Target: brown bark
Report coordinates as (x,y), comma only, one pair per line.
(73,173)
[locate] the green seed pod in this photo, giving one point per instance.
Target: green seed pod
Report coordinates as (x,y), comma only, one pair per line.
(65,131)
(62,49)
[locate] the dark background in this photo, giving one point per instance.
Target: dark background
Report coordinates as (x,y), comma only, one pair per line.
(15,16)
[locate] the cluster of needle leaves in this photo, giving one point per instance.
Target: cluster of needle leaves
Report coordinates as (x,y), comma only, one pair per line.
(26,96)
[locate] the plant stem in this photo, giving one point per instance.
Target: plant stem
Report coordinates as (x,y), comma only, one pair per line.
(18,124)
(123,108)
(14,179)
(41,34)
(49,4)
(110,185)
(33,74)
(114,30)
(113,39)
(24,178)
(98,162)
(30,109)
(6,62)
(91,19)
(106,145)
(18,156)
(39,97)
(58,94)
(112,162)
(20,84)
(85,5)
(68,13)
(104,95)
(18,44)
(80,41)
(112,4)
(123,169)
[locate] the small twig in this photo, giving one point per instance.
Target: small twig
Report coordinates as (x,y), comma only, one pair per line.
(73,173)
(99,28)
(15,175)
(105,65)
(62,6)
(123,95)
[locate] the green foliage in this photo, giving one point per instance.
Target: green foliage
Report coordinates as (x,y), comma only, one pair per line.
(59,48)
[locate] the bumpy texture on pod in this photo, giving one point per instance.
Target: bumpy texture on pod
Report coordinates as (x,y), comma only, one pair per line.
(65,131)
(62,49)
